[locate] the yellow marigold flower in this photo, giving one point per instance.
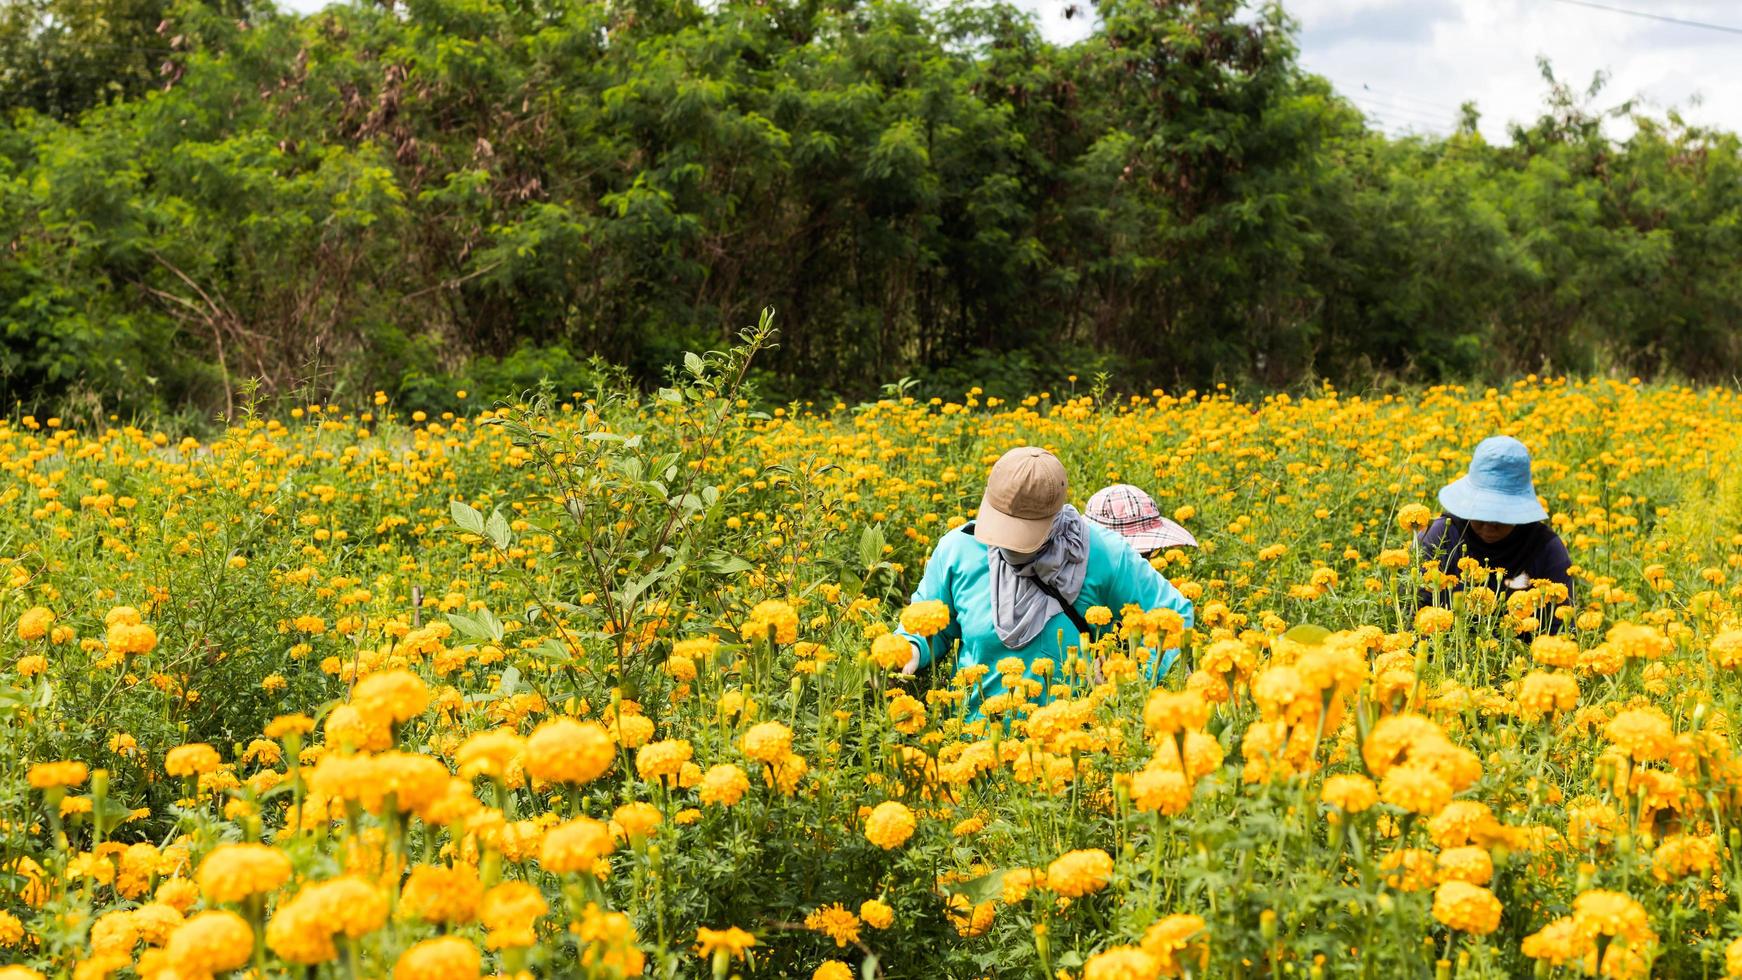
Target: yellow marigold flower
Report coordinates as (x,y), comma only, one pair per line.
(1167,712)
(19,973)
(876,913)
(11,930)
(1543,694)
(56,775)
(1416,788)
(1613,914)
(891,650)
(576,847)
(1018,882)
(662,761)
(724,784)
(832,970)
(1638,642)
(1078,873)
(510,913)
(34,624)
(1467,863)
(443,958)
(926,618)
(177,893)
(1725,649)
(492,754)
(680,668)
(733,942)
(284,726)
(1410,869)
(1555,651)
(1164,791)
(906,714)
(1732,958)
(1643,733)
(210,942)
(636,820)
(1559,943)
(1681,855)
(391,696)
(300,930)
(835,922)
(233,872)
(631,731)
(563,750)
(1098,616)
(195,759)
(1121,963)
(1394,559)
(695,649)
(768,742)
(1462,822)
(609,943)
(409,780)
(155,922)
(112,933)
(1178,943)
(1467,908)
(771,614)
(32,666)
(442,895)
(785,773)
(1349,792)
(134,638)
(1432,619)
(1414,518)
(890,824)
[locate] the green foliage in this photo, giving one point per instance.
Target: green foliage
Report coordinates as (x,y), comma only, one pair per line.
(480,194)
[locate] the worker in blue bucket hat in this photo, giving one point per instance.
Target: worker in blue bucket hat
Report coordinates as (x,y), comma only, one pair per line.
(1493,515)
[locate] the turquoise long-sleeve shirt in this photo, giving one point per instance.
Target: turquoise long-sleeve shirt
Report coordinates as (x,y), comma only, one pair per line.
(957,574)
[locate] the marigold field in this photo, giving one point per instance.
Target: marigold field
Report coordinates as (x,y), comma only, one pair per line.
(590,686)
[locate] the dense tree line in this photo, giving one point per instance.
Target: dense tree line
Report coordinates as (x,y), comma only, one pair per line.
(403,197)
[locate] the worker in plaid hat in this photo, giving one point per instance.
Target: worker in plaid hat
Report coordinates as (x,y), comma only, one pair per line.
(1133,514)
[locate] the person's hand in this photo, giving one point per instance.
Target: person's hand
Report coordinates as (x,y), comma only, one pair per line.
(912,666)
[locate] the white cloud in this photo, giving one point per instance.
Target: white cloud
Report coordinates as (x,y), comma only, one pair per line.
(1410,63)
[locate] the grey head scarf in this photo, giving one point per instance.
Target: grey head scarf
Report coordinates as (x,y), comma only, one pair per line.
(1020,610)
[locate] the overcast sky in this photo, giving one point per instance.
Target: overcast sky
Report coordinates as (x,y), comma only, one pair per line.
(1408,63)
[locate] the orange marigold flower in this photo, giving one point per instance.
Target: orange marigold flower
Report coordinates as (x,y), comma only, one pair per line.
(890,824)
(563,750)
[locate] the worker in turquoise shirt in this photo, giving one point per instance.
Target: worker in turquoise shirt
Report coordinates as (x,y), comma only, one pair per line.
(1009,577)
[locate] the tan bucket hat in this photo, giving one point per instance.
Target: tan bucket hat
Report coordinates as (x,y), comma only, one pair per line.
(1025,491)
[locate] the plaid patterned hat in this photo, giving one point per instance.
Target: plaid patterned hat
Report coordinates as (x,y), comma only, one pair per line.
(1129,511)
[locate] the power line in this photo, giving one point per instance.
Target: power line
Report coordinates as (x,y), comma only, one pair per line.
(1407,98)
(1404,110)
(1657,17)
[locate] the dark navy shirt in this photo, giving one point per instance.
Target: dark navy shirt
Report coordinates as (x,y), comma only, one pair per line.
(1532,551)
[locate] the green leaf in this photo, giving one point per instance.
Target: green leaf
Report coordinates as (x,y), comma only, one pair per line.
(497,530)
(509,682)
(981,889)
(871,542)
(1308,634)
(723,564)
(467,517)
(468,627)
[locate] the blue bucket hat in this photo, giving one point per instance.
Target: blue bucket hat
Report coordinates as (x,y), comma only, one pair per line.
(1497,488)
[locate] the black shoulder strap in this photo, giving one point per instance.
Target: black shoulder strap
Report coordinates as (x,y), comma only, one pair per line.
(1077,619)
